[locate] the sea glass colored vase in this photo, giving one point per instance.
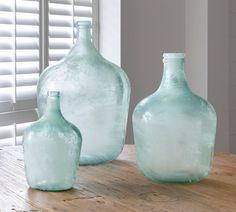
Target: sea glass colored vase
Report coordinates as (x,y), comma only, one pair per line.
(51,149)
(95,97)
(174,129)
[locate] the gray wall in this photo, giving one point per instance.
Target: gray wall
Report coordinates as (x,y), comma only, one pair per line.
(232,73)
(207,49)
(205,30)
(149,28)
(196,45)
(218,68)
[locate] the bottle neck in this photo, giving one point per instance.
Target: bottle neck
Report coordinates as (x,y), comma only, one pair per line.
(83,35)
(174,75)
(53,104)
(83,45)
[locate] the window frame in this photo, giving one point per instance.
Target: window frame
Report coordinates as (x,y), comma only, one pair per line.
(25,111)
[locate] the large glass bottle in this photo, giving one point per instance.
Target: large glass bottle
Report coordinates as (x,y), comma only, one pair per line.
(174,129)
(94,96)
(51,149)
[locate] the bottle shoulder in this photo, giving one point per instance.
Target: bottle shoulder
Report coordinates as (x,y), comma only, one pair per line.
(51,127)
(84,69)
(186,102)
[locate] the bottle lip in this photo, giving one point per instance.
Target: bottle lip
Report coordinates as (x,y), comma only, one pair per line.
(174,55)
(83,24)
(54,93)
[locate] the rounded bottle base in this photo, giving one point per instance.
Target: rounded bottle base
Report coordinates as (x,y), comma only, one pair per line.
(44,185)
(184,181)
(51,188)
(86,160)
(175,179)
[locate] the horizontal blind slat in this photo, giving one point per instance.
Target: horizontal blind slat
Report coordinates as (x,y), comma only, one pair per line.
(82,11)
(7,94)
(79,18)
(6,131)
(59,20)
(27,6)
(27,19)
(21,127)
(7,30)
(26,92)
(60,32)
(7,6)
(26,104)
(26,43)
(59,9)
(6,68)
(6,43)
(60,43)
(26,79)
(27,67)
(83,3)
(7,18)
(7,81)
(7,55)
(27,55)
(61,1)
(21,116)
(57,54)
(27,31)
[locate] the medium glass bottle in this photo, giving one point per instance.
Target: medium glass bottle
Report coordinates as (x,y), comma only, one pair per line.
(95,97)
(174,129)
(51,149)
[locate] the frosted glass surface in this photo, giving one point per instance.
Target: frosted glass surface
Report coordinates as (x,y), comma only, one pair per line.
(51,151)
(94,97)
(174,129)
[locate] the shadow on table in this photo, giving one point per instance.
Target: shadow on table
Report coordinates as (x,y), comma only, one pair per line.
(120,180)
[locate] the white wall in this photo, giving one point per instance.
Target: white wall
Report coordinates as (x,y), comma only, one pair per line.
(110,30)
(149,28)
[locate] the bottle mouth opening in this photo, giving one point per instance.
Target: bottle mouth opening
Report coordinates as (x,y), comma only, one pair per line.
(174,55)
(83,24)
(54,93)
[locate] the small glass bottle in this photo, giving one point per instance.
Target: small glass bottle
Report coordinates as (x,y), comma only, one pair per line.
(51,149)
(174,129)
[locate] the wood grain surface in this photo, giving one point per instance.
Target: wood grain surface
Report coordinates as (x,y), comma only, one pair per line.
(118,186)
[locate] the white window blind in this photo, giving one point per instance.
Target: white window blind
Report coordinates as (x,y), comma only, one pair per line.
(19,67)
(33,34)
(63,15)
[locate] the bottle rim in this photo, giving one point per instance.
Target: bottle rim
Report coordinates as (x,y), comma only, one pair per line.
(83,24)
(174,55)
(54,93)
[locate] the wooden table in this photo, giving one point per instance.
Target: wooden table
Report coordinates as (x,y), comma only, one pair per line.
(118,186)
